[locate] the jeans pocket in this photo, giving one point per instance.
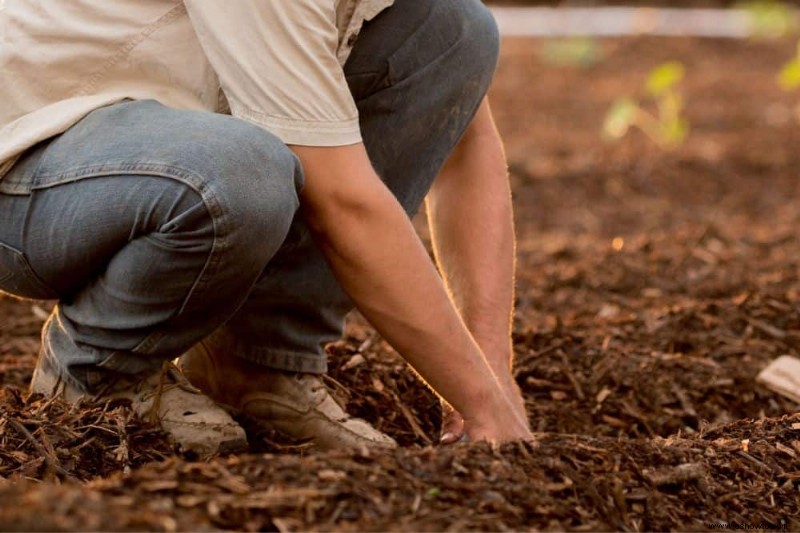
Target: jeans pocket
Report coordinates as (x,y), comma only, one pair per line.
(18,278)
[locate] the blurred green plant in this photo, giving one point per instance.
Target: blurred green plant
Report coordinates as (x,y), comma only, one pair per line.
(769,18)
(668,128)
(789,76)
(574,51)
(433,493)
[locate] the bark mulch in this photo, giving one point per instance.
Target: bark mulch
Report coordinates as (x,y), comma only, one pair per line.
(745,473)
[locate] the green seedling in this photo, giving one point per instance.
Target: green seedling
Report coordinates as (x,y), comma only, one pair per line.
(433,493)
(789,76)
(574,51)
(667,127)
(769,18)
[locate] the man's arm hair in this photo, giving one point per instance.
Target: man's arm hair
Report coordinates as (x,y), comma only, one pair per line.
(375,254)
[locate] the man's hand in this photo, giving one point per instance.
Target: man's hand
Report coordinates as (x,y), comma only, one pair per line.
(377,257)
(453,423)
(470,215)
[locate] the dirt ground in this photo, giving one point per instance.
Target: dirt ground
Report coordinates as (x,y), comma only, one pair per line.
(653,287)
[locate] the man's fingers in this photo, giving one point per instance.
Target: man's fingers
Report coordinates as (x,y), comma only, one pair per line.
(450,438)
(452,426)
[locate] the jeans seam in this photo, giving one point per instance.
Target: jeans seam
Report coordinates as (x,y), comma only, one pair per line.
(271,351)
(270,357)
(123,51)
(23,265)
(112,168)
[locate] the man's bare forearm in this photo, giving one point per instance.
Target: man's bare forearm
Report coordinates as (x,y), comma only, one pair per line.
(471,219)
(373,251)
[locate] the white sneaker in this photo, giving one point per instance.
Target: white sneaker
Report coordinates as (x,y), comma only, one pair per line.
(166,399)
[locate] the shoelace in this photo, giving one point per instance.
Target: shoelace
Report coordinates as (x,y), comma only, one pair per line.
(170,377)
(314,385)
(168,371)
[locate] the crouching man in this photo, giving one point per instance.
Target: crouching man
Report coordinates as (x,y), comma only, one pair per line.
(224,180)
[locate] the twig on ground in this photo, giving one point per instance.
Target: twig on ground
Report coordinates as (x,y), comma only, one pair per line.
(51,460)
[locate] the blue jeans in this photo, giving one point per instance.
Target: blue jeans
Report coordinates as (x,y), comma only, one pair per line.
(156,228)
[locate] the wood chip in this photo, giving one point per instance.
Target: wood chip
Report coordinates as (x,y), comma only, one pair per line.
(328,474)
(785,449)
(676,475)
(782,376)
(356,360)
(603,394)
(768,329)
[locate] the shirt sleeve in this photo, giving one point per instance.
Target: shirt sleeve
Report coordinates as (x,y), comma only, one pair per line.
(277,64)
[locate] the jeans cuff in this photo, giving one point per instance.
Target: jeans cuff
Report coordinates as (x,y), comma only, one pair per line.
(286,361)
(130,363)
(48,364)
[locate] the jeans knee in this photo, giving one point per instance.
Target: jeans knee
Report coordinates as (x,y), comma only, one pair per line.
(479,47)
(257,190)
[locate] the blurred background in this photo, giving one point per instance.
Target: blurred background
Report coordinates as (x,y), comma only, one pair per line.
(655,177)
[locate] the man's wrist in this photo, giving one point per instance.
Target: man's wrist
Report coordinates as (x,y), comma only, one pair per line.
(498,350)
(484,405)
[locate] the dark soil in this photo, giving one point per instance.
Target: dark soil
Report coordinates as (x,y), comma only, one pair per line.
(653,287)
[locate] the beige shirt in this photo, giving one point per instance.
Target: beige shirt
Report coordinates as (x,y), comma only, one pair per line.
(276,63)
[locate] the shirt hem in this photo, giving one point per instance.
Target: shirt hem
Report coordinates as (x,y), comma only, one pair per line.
(302,132)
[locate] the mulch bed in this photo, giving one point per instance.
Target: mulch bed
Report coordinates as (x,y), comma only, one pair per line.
(744,473)
(653,287)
